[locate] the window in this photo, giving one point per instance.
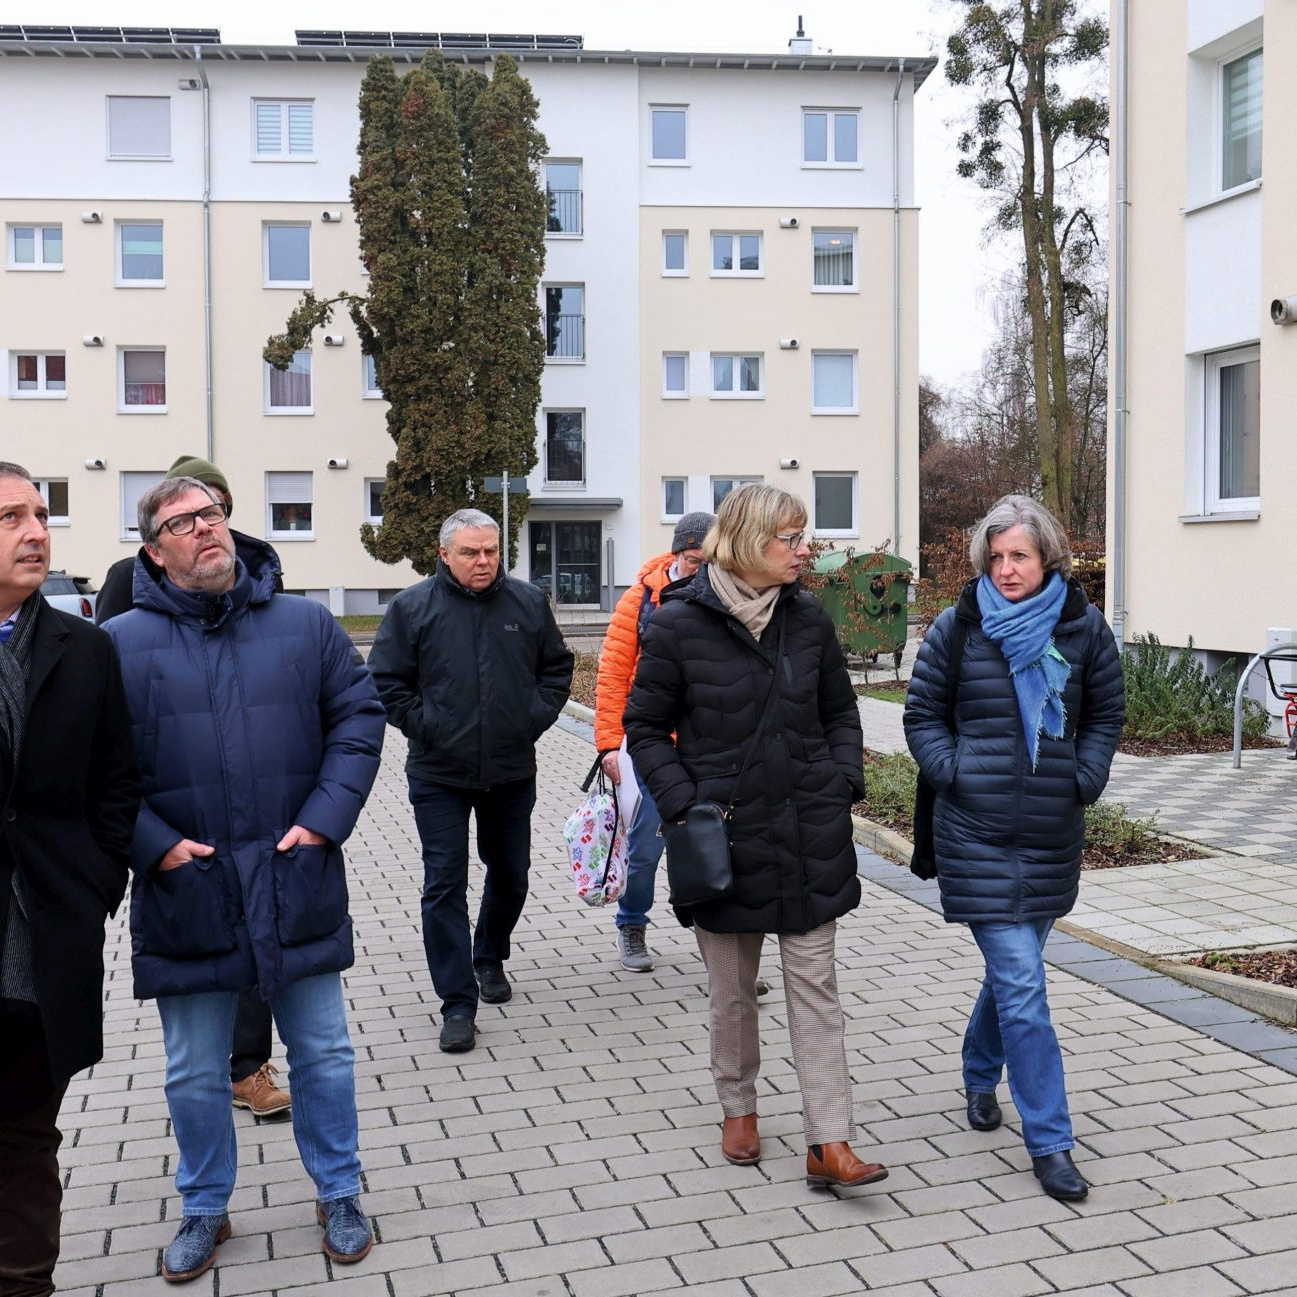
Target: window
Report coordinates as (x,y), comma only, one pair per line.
(141,381)
(283,129)
(673,497)
(372,391)
(829,137)
(139,127)
(722,486)
(835,504)
(736,376)
(134,485)
(54,491)
(565,446)
(289,506)
(1241,121)
(833,382)
(288,391)
(736,254)
(374,499)
(287,256)
(565,321)
(1233,448)
(563,194)
(139,254)
(833,255)
(675,252)
(669,128)
(675,374)
(34,375)
(35,247)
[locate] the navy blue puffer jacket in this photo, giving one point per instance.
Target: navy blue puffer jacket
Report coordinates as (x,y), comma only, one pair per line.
(249,715)
(1008,838)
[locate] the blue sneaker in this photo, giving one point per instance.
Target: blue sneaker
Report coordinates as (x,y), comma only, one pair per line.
(193,1250)
(347,1235)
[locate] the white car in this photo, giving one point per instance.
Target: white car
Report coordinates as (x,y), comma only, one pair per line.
(74,594)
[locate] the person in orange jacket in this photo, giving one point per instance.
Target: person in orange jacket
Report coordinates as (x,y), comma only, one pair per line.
(617,662)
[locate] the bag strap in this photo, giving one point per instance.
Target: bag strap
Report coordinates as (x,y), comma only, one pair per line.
(772,698)
(594,770)
(958,636)
(646,610)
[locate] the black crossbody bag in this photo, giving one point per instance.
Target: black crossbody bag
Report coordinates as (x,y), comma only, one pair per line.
(923,859)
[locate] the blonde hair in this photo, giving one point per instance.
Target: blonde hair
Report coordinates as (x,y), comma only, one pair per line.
(745,523)
(1045,530)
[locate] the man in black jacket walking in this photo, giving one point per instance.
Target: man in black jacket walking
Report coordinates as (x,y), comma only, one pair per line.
(472,669)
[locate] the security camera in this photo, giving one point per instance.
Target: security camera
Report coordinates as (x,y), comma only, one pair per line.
(330,218)
(789,344)
(93,340)
(189,83)
(791,462)
(788,222)
(1283,310)
(338,461)
(92,218)
(96,463)
(334,339)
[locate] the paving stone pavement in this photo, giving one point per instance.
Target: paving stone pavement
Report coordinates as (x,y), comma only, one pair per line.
(574,1152)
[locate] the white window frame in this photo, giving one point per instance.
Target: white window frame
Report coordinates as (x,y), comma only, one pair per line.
(108,130)
(653,159)
(1213,364)
(854,235)
(667,515)
(266,281)
(675,393)
(735,236)
(40,392)
(284,153)
(120,260)
(287,411)
(39,228)
(122,407)
(667,271)
(271,501)
(43,484)
(370,515)
(854,528)
(735,481)
(1218,129)
(831,162)
(736,356)
(143,481)
(565,482)
(578,163)
(830,410)
(369,390)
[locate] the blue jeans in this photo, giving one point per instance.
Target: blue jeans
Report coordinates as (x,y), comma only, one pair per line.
(1010,1023)
(504,844)
(198,1031)
(644,850)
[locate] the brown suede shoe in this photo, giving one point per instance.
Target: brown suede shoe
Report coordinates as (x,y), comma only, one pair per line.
(259,1093)
(740,1142)
(831,1164)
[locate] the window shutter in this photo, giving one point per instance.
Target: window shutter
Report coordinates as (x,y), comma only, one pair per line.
(289,488)
(134,486)
(300,128)
(269,129)
(139,127)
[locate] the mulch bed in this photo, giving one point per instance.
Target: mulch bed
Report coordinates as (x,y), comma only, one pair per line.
(1179,745)
(881,685)
(1278,967)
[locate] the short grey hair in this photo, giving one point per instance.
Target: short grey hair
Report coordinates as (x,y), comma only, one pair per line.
(461,519)
(1045,530)
(14,470)
(156,497)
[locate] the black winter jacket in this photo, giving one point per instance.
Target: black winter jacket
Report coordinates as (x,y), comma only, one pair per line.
(703,676)
(1009,839)
(471,679)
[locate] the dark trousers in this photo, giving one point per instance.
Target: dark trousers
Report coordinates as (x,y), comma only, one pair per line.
(504,844)
(30,1189)
(251,1035)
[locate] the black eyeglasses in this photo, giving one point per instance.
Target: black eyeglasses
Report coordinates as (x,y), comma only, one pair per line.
(793,539)
(183,523)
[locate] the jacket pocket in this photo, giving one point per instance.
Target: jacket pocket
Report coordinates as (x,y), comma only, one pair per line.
(183,912)
(310,893)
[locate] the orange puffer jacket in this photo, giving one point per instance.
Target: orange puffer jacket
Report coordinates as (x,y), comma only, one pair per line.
(620,654)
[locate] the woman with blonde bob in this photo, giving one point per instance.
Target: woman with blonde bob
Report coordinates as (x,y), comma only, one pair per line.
(744,668)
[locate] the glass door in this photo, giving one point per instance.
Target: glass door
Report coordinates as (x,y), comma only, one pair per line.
(565,560)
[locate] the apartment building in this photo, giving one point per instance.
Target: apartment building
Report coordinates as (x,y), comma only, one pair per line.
(1203,511)
(729,292)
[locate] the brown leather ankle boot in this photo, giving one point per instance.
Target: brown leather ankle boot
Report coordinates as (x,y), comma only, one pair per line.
(740,1142)
(830,1164)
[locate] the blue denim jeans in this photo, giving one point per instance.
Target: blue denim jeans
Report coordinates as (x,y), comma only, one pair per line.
(644,851)
(312,1022)
(1010,1023)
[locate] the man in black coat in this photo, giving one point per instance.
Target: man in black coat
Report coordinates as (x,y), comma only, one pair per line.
(472,669)
(68,797)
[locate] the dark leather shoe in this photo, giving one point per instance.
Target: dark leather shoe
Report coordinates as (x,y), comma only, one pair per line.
(1059,1178)
(740,1142)
(493,984)
(983,1111)
(458,1035)
(833,1164)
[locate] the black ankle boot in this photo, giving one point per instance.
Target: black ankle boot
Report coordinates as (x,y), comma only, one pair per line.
(1059,1178)
(983,1111)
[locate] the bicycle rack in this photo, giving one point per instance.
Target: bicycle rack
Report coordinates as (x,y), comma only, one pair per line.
(1280,653)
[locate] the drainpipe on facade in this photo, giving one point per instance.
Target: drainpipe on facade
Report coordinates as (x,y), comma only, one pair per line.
(896,309)
(1117,549)
(207,248)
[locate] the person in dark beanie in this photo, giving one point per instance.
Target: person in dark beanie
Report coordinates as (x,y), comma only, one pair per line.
(251,1071)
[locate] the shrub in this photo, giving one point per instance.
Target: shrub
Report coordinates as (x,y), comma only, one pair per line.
(890,778)
(1109,827)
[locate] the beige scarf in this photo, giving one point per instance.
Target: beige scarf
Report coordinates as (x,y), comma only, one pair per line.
(751,606)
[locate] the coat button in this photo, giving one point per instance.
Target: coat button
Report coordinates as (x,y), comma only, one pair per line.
(11,815)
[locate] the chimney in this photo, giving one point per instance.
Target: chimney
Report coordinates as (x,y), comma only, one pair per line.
(801,43)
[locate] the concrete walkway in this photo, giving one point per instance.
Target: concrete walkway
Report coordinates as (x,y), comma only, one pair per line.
(575,1152)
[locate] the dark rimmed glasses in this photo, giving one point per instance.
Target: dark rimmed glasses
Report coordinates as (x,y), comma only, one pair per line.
(183,523)
(793,539)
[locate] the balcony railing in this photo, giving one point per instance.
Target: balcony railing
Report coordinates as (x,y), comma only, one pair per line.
(565,337)
(564,211)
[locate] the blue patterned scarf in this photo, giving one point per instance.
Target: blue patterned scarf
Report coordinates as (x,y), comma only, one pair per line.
(1024,632)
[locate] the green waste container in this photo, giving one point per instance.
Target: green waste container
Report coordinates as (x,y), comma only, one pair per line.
(867,597)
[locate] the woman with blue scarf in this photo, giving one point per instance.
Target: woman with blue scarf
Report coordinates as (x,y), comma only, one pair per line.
(1014,711)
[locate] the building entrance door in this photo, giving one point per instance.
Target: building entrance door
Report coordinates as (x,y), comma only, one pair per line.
(565,560)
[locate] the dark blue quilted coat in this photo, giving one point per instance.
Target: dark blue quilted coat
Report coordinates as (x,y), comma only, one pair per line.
(1008,838)
(249,715)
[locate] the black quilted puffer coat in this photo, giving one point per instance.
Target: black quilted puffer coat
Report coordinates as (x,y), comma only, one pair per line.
(1008,838)
(702,676)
